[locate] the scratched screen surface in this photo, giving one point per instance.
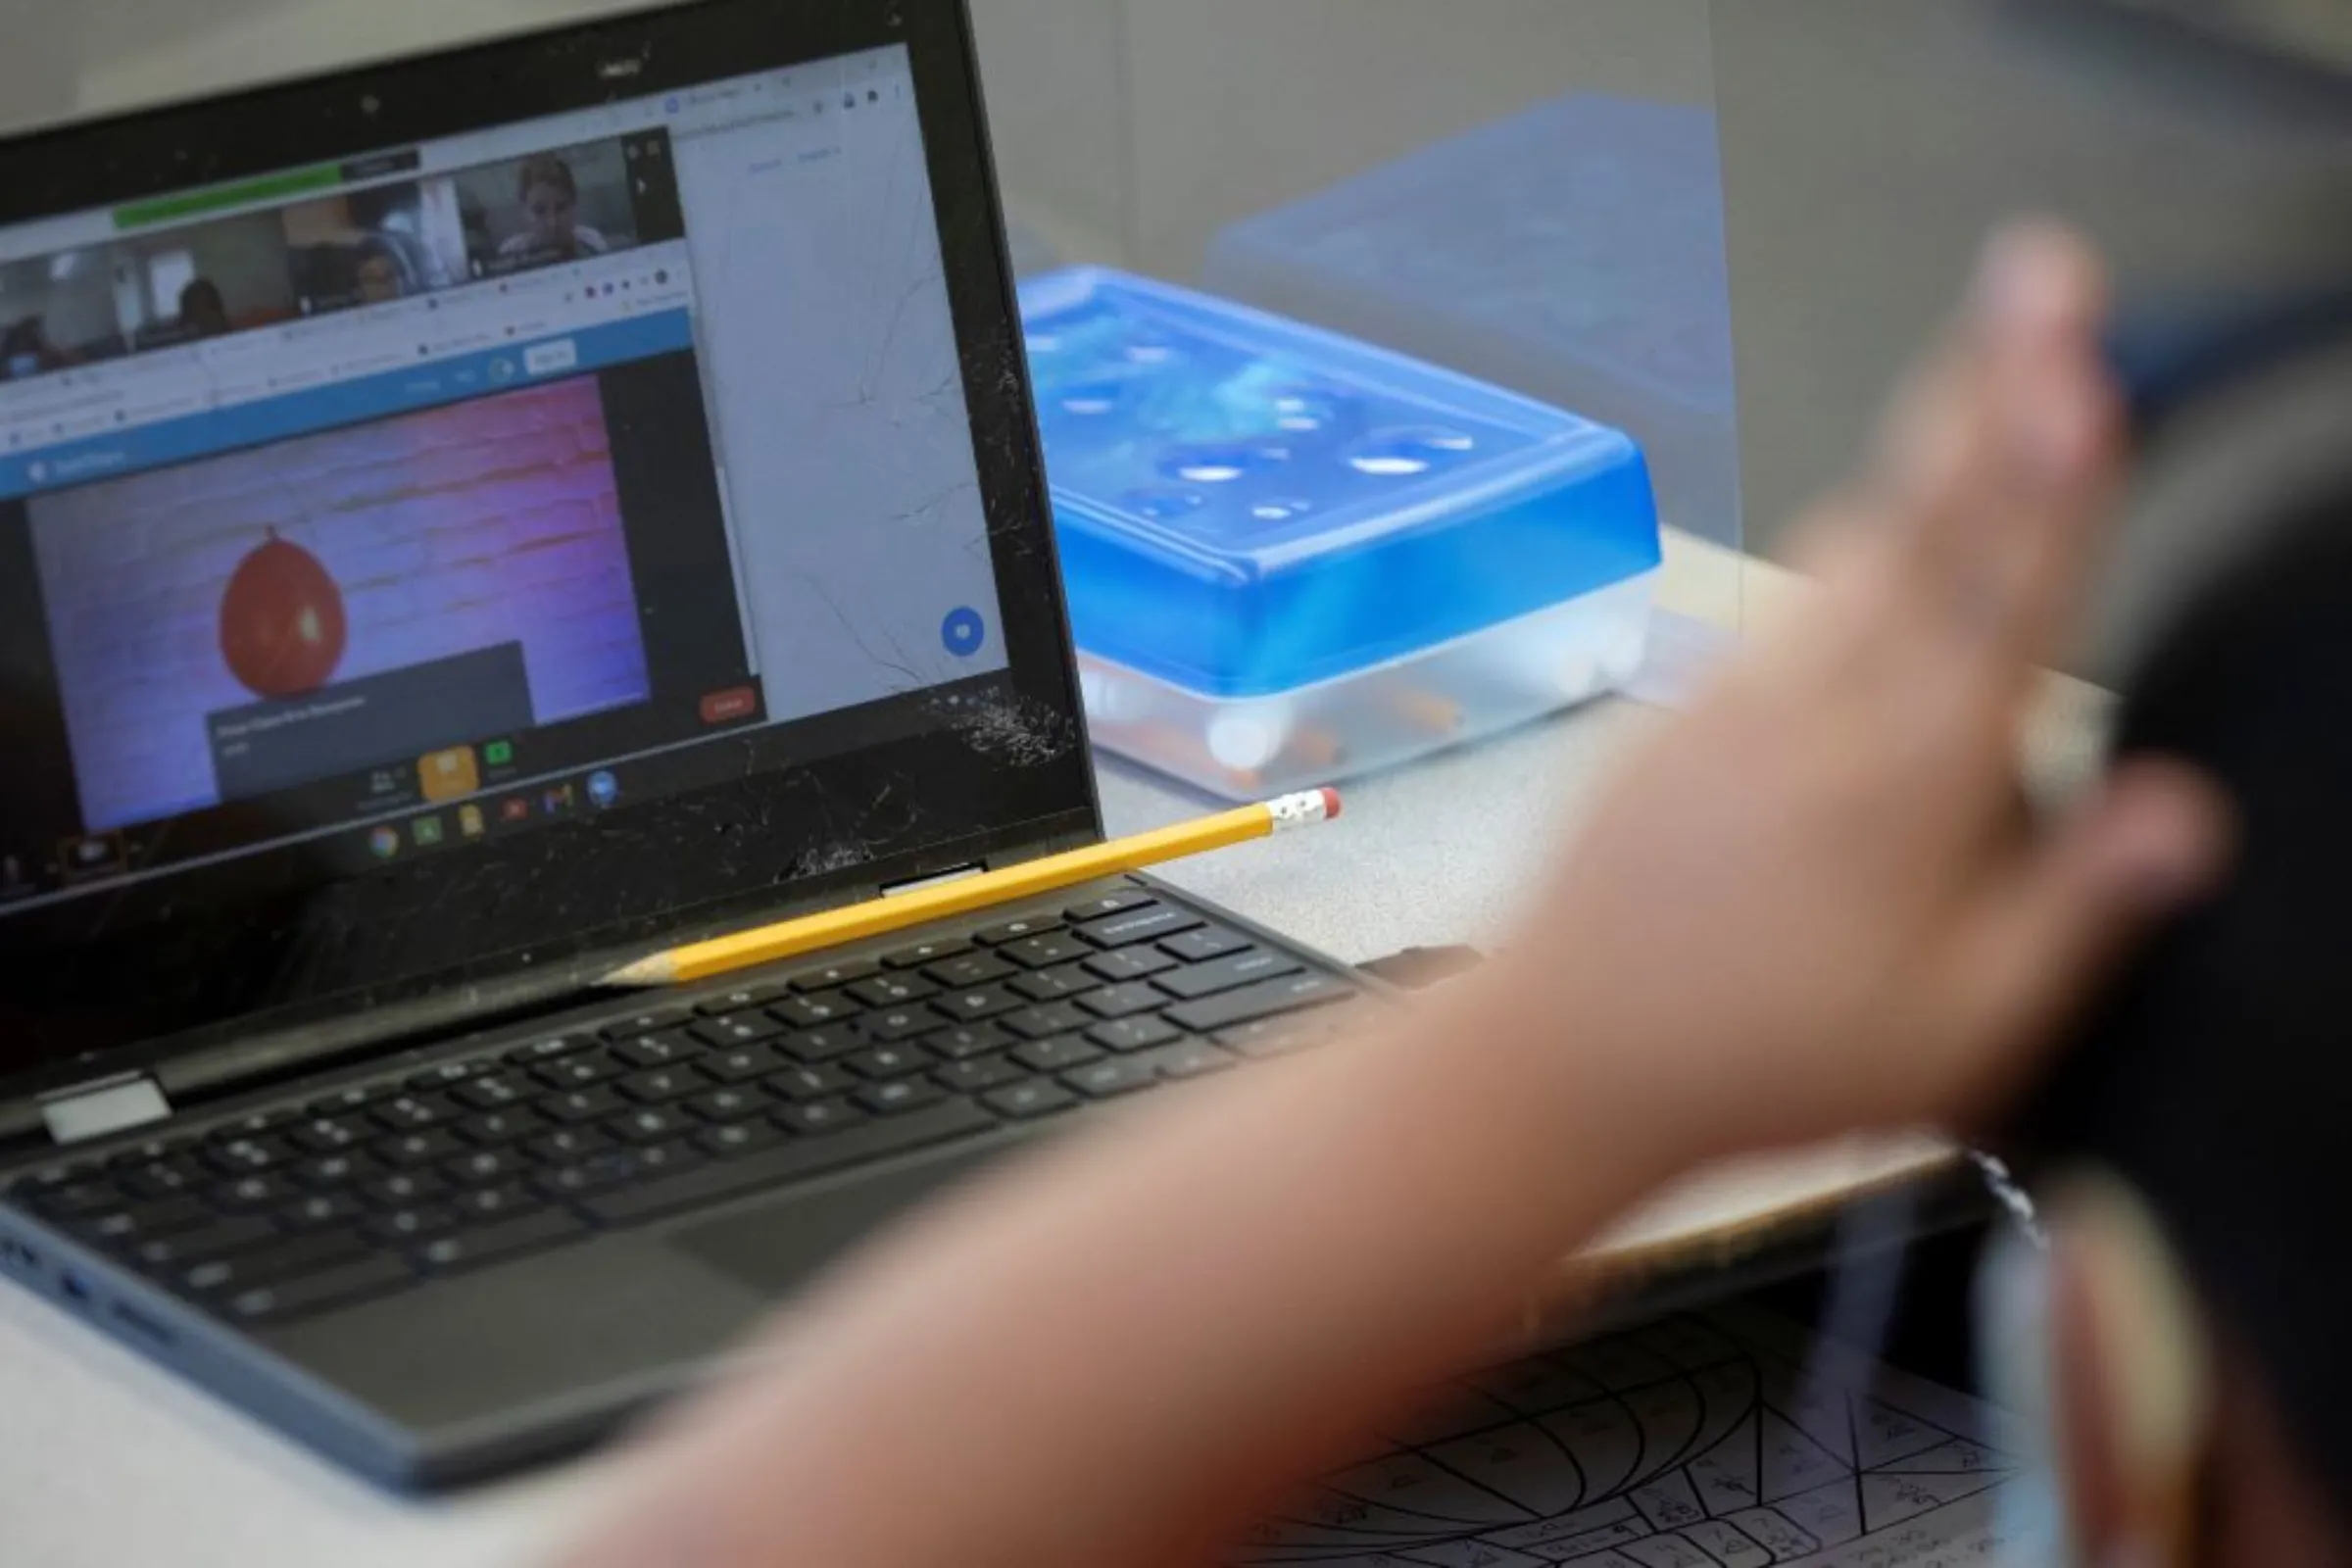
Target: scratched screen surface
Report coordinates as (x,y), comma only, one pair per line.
(1724,1440)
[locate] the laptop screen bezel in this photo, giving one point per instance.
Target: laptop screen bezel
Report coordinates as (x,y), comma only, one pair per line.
(159,969)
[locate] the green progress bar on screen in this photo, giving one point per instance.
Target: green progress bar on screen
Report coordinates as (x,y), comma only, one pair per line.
(244,193)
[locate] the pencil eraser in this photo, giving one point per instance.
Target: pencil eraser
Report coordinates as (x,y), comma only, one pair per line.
(1331,804)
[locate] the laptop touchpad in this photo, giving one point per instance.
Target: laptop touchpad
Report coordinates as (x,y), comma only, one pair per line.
(778,1245)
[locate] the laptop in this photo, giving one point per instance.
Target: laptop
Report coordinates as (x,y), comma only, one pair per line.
(471,522)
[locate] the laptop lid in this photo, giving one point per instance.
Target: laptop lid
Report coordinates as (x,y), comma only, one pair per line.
(466,518)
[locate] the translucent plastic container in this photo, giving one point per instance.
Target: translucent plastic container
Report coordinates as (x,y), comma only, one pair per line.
(1291,558)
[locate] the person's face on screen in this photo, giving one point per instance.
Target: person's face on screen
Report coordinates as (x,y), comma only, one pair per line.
(378,280)
(554,214)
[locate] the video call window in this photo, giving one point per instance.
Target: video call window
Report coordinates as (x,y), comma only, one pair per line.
(549,209)
(372,246)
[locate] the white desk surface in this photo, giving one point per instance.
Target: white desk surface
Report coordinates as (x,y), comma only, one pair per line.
(107,1461)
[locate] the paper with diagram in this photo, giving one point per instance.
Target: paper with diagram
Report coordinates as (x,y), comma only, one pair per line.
(1714,1440)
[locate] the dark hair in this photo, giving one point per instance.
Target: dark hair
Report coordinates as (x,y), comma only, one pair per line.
(201,293)
(546,168)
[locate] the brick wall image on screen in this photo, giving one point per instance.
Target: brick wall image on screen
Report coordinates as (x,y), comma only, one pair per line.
(448,533)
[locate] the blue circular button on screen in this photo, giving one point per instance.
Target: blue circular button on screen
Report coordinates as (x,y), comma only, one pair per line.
(602,790)
(963,631)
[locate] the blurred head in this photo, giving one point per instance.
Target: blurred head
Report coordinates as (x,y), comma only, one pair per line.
(377,278)
(202,310)
(2185,1336)
(550,201)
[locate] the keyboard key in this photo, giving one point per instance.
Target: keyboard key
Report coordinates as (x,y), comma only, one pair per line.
(1057,1054)
(996,936)
(815,1116)
(401,1226)
(152,1151)
(656,1051)
(329,1171)
(570,1183)
(344,1101)
(488,1205)
(1105,1080)
(76,1199)
(936,950)
(1266,999)
(823,1045)
(1133,1034)
(1049,985)
(1211,941)
(649,1021)
(568,1145)
(449,1074)
(740,1065)
(812,1012)
(666,1159)
(1128,963)
(117,1227)
(979,1075)
(553,1046)
(1148,924)
(649,1126)
(240,1156)
(1044,951)
(889,1062)
(794,1160)
(1122,1002)
(166,1178)
(580,1106)
(409,1112)
(737,1137)
(737,1029)
(183,1249)
(970,1006)
(316,1292)
(901,1023)
(834,975)
(281,1259)
(743,998)
(492,1094)
(730,1104)
(1190,1059)
(898,1098)
(319,1210)
(808,1083)
(1108,905)
(1029,1100)
(486,1167)
(427,1147)
(892,990)
(54,1179)
(972,970)
(970,1040)
(1279,1036)
(662,1085)
(327,1135)
(404,1189)
(1230,973)
(256,1124)
(494,1129)
(248,1194)
(495,1243)
(578,1072)
(1050,1018)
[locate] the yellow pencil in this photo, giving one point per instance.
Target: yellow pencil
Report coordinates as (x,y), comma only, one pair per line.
(882,916)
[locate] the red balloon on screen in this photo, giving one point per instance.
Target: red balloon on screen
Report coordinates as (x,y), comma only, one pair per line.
(282,626)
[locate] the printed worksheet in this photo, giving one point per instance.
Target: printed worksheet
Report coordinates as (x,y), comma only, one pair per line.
(1716,1441)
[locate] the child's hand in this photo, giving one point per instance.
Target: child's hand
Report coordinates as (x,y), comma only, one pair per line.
(1815,904)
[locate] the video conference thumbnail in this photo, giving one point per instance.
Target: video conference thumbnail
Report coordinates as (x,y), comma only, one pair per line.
(367,246)
(269,617)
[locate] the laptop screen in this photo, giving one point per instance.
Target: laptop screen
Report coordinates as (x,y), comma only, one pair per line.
(449,491)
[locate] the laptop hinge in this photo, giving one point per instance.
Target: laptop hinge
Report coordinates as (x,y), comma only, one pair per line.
(961,874)
(109,1106)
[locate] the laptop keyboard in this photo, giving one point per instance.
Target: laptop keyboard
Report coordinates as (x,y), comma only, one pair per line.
(680,1104)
